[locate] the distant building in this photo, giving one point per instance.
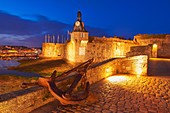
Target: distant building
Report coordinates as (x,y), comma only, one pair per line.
(82,47)
(18,51)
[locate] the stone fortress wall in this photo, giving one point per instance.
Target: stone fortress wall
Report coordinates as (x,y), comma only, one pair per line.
(164,51)
(146,39)
(53,50)
(105,48)
(99,48)
(75,48)
(140,50)
(151,45)
(102,48)
(82,47)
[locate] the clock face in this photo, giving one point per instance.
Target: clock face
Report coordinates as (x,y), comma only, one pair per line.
(77,23)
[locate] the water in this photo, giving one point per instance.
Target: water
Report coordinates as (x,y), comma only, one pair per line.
(18,73)
(4,64)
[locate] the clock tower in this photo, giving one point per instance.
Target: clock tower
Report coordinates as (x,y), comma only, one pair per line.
(79,32)
(79,25)
(79,39)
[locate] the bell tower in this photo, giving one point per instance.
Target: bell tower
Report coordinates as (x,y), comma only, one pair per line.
(79,32)
(79,25)
(79,38)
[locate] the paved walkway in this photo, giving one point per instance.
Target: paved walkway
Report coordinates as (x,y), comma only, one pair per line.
(122,94)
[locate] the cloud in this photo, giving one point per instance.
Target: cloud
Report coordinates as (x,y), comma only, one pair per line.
(29,30)
(11,24)
(15,30)
(8,39)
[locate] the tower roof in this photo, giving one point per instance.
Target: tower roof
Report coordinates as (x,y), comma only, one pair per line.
(79,15)
(79,25)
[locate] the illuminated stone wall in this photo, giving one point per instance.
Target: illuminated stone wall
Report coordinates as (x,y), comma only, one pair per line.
(100,51)
(164,51)
(53,50)
(69,52)
(145,39)
(75,52)
(79,36)
(102,70)
(24,101)
(136,65)
(79,49)
(105,48)
(140,50)
(145,45)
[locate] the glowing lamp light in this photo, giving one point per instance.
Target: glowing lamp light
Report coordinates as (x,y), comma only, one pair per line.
(155,46)
(36,51)
(107,70)
(117,78)
(154,50)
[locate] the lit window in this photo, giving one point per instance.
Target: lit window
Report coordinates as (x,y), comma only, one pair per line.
(81,34)
(83,43)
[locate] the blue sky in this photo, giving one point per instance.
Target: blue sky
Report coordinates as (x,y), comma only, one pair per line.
(24,22)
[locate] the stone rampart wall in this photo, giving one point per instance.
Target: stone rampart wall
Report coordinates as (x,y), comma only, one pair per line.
(164,51)
(102,51)
(53,50)
(150,41)
(69,52)
(24,101)
(145,39)
(140,50)
(136,65)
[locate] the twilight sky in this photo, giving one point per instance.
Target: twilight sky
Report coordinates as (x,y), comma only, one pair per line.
(24,22)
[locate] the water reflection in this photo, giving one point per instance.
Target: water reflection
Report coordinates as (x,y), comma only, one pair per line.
(4,64)
(13,61)
(18,73)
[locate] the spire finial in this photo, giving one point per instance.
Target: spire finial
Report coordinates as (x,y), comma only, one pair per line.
(79,15)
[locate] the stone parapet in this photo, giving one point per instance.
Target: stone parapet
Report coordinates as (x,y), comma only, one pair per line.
(140,50)
(24,101)
(136,65)
(145,39)
(103,51)
(164,51)
(53,50)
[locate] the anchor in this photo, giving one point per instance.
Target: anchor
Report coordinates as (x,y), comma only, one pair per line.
(67,97)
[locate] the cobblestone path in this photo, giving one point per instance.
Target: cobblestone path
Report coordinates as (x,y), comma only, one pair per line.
(125,94)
